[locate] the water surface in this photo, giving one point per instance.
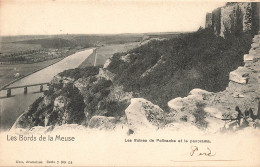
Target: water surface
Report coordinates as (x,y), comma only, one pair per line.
(11,108)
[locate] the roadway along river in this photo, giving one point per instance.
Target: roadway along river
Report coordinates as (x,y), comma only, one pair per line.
(11,108)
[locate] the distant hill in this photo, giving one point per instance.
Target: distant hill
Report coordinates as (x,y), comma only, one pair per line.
(13,44)
(50,43)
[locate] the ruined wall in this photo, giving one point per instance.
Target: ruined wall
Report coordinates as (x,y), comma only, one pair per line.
(208,20)
(235,18)
(216,20)
(257,15)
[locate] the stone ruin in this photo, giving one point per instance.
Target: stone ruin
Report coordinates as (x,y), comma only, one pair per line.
(245,15)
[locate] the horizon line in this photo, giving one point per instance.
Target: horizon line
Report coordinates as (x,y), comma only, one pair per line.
(166,32)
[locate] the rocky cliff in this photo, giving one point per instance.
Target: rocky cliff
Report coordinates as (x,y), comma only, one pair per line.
(139,89)
(235,18)
(103,105)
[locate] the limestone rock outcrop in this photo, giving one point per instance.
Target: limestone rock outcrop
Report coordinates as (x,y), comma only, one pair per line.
(103,73)
(142,114)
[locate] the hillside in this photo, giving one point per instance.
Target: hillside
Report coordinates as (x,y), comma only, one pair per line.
(162,70)
(202,80)
(158,71)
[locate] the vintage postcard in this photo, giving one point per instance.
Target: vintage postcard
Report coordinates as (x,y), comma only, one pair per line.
(129,83)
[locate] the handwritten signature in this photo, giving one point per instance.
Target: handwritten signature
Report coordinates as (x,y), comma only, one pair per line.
(195,151)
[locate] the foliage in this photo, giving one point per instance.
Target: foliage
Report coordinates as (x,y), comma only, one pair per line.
(195,60)
(79,72)
(101,85)
(97,92)
(200,115)
(76,105)
(29,118)
(115,108)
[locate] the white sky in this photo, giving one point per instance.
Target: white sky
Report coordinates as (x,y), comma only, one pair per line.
(26,17)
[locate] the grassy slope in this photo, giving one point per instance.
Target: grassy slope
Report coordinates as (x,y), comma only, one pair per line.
(195,60)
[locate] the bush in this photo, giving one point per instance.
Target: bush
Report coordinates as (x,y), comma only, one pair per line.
(200,116)
(101,85)
(80,72)
(76,105)
(115,109)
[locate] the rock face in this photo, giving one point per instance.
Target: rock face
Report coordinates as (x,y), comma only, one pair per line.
(142,114)
(208,20)
(103,73)
(242,16)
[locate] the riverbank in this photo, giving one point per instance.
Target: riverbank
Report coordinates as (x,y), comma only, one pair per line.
(12,108)
(105,52)
(8,72)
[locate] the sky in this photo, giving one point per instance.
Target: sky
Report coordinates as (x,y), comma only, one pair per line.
(47,17)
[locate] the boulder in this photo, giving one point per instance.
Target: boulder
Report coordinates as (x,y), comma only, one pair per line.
(102,122)
(180,104)
(142,114)
(182,108)
(240,75)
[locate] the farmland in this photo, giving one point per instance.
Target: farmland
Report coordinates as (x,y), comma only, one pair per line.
(22,55)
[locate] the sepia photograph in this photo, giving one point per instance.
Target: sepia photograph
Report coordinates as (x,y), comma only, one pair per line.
(129,83)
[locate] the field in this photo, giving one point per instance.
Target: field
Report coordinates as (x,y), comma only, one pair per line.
(7,72)
(22,55)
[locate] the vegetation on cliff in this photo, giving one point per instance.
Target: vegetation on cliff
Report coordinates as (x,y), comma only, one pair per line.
(80,72)
(196,60)
(158,71)
(69,108)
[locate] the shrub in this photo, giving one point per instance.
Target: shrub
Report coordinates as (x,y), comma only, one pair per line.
(115,109)
(80,72)
(200,115)
(76,105)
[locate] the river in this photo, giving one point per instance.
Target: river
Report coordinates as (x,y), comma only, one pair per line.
(11,108)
